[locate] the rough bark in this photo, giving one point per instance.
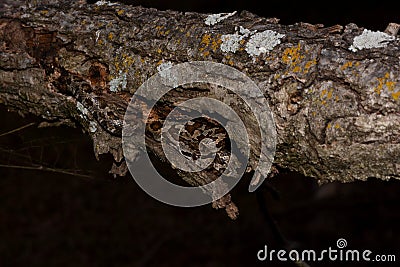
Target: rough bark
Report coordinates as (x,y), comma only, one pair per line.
(337,111)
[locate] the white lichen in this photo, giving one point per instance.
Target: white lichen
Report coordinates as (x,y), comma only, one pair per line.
(163,66)
(81,108)
(246,32)
(103,2)
(259,43)
(98,35)
(166,73)
(263,42)
(92,127)
(231,42)
(119,83)
(215,18)
(370,39)
(163,70)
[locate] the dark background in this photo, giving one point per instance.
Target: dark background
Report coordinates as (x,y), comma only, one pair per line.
(372,14)
(48,218)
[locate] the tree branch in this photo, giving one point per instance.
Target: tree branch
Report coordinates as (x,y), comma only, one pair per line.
(334,91)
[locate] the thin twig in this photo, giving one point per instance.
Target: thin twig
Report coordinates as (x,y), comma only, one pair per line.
(273,225)
(268,218)
(41,168)
(18,129)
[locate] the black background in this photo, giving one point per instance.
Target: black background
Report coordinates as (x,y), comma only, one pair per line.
(54,219)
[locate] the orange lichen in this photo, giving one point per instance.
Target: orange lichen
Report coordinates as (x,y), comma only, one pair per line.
(349,64)
(390,85)
(293,57)
(329,96)
(160,31)
(385,81)
(396,95)
(209,43)
(296,69)
(127,60)
(138,76)
(309,64)
(123,62)
(205,41)
(216,43)
(325,95)
(346,65)
(378,88)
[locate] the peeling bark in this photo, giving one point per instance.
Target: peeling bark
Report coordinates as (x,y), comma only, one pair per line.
(337,111)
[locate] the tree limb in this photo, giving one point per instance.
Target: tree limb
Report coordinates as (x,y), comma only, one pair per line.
(334,91)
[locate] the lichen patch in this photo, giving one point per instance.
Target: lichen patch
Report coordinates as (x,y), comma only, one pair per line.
(231,42)
(370,39)
(163,66)
(263,42)
(92,127)
(119,83)
(103,2)
(215,18)
(81,108)
(387,82)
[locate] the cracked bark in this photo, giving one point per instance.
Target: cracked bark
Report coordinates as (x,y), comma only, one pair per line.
(337,112)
